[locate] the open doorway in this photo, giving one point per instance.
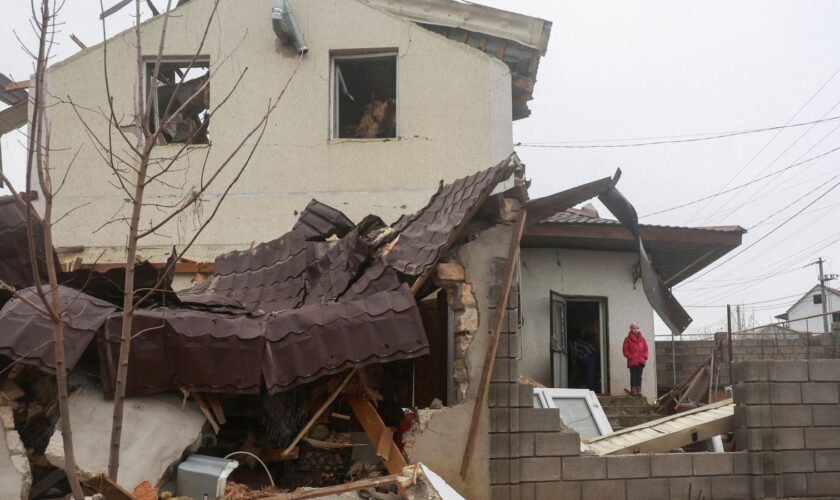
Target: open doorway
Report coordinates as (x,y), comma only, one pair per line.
(579,343)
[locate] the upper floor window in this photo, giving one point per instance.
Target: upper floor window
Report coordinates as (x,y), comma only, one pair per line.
(183,100)
(364,96)
(817,299)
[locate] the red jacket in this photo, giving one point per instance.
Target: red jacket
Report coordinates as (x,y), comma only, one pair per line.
(635,349)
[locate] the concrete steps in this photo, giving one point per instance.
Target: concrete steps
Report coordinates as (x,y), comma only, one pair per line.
(627,411)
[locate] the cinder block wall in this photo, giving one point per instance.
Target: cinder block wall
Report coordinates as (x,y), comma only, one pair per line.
(788,419)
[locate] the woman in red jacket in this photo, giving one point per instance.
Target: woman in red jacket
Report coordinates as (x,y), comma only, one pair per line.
(636,352)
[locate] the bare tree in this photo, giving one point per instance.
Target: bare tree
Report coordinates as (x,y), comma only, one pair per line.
(38,162)
(135,168)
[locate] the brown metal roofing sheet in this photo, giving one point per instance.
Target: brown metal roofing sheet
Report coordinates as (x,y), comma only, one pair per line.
(319,221)
(425,236)
(313,341)
(26,333)
(547,206)
(329,276)
(15,265)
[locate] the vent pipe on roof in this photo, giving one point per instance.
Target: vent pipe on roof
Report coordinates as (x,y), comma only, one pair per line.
(286,26)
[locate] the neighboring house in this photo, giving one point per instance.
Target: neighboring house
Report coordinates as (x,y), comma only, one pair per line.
(454,77)
(809,306)
(581,272)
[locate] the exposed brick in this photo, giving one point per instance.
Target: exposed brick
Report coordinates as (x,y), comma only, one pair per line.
(525,444)
(565,442)
(584,467)
(670,464)
(710,464)
(690,487)
(449,271)
(540,469)
(604,490)
(500,471)
(645,489)
(820,393)
(826,415)
(822,437)
(628,466)
(791,416)
(785,393)
(824,483)
(827,460)
(730,487)
(500,445)
(791,438)
(539,420)
(567,490)
(794,461)
(824,370)
(788,371)
(794,485)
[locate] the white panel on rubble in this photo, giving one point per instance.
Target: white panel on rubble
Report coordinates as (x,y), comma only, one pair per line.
(579,409)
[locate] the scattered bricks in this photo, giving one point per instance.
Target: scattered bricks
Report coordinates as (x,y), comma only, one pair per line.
(820,393)
(788,371)
(670,464)
(449,271)
(500,471)
(526,444)
(711,464)
(499,419)
(757,416)
(526,396)
(824,483)
(604,490)
(628,466)
(644,489)
(827,460)
(827,370)
(794,461)
(755,393)
(697,487)
(753,371)
(584,467)
(563,443)
(500,445)
(567,490)
(794,485)
(540,469)
(730,487)
(539,420)
(791,416)
(826,415)
(785,393)
(791,438)
(822,437)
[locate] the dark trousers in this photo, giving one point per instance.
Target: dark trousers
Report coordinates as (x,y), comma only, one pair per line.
(636,376)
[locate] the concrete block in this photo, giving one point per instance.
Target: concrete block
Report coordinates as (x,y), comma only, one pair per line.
(539,420)
(540,469)
(757,415)
(791,416)
(563,443)
(670,464)
(824,484)
(827,460)
(690,487)
(827,370)
(500,492)
(500,471)
(527,490)
(794,461)
(789,371)
(793,485)
(750,371)
(730,487)
(710,464)
(790,438)
(499,419)
(525,444)
(501,370)
(514,419)
(785,393)
(740,463)
(526,396)
(822,437)
(605,490)
(752,393)
(500,445)
(567,490)
(820,393)
(628,466)
(584,468)
(646,489)
(826,415)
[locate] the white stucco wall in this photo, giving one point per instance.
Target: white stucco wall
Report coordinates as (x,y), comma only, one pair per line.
(454,119)
(806,307)
(591,274)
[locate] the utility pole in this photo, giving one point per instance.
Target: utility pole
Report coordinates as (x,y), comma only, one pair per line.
(823,296)
(729,335)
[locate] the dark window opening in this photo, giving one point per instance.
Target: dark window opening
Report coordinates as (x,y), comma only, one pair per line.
(183,101)
(835,317)
(584,345)
(433,373)
(817,299)
(365,96)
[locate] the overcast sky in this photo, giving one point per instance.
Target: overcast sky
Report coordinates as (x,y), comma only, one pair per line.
(618,70)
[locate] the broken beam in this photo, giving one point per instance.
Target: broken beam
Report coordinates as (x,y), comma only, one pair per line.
(378,434)
(490,358)
(398,479)
(21,85)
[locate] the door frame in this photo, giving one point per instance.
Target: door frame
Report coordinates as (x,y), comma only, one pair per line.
(557,360)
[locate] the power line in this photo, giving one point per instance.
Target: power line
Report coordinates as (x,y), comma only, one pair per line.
(753,303)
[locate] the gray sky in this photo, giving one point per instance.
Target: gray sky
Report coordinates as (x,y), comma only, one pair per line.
(616,70)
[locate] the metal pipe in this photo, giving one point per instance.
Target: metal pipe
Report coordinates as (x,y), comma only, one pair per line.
(286,27)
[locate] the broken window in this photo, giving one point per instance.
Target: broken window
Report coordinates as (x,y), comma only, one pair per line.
(364,96)
(183,101)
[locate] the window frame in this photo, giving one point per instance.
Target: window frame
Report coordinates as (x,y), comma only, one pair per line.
(334,91)
(544,398)
(198,61)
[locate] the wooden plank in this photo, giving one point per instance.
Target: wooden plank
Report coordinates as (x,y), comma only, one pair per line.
(78,42)
(374,427)
(108,488)
(398,479)
(45,483)
(21,85)
(490,358)
(206,411)
(214,404)
(383,447)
